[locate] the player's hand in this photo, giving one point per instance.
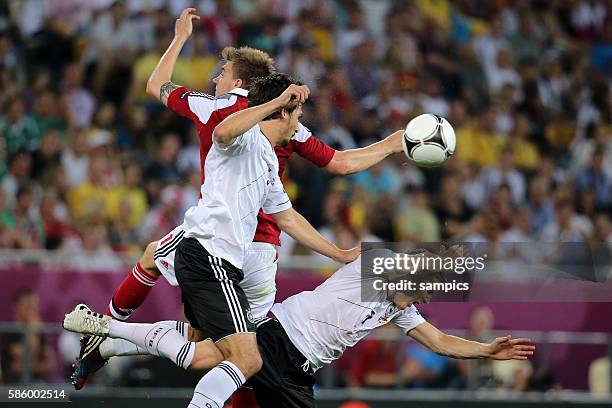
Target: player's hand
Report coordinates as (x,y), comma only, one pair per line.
(395,141)
(348,255)
(293,95)
(184,24)
(507,348)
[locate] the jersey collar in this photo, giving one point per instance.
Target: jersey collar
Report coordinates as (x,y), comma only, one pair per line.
(240,92)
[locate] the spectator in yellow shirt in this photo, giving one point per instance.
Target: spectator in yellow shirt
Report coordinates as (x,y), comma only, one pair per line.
(526,153)
(92,199)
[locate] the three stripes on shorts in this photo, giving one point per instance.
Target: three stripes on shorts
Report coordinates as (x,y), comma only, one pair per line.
(230,294)
(169,246)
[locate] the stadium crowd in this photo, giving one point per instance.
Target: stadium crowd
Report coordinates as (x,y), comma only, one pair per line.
(92,165)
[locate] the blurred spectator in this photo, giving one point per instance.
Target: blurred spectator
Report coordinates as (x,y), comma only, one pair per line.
(90,249)
(381,179)
(42,360)
(502,72)
(481,142)
(526,154)
(376,365)
(53,216)
(567,225)
(594,177)
(81,103)
(425,369)
(163,218)
(328,130)
(603,228)
(129,193)
(91,199)
(20,167)
(540,204)
(422,368)
(481,322)
(47,156)
(582,151)
(350,34)
(163,169)
(505,172)
(47,114)
(417,223)
(75,160)
(520,232)
(24,221)
(19,129)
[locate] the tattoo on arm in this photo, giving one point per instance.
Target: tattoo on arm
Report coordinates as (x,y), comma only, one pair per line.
(166,89)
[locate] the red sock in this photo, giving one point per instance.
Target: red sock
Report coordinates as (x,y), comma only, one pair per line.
(244,398)
(130,294)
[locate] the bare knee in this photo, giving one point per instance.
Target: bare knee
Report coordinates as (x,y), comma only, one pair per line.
(206,356)
(147,261)
(241,349)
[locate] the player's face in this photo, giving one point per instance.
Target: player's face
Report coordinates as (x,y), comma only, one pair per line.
(225,81)
(292,124)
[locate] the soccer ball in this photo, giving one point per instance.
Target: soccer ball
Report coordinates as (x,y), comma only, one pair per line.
(429,140)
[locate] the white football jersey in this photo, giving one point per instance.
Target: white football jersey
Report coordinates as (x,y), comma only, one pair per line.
(240,179)
(322,323)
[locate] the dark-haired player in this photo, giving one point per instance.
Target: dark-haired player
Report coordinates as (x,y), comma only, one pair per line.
(242,178)
(310,329)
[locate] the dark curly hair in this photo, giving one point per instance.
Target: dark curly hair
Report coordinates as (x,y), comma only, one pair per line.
(267,88)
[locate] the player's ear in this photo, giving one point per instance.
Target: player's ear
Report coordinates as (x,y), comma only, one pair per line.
(238,83)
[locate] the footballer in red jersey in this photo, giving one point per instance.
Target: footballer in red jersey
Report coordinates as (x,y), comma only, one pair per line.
(241,66)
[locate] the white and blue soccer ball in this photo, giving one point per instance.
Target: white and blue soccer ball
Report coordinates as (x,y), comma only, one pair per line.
(429,140)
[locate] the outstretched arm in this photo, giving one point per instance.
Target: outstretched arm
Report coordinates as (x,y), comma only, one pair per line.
(356,160)
(159,84)
(299,229)
(239,122)
(502,348)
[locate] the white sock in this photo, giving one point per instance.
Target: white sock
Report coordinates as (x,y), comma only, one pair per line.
(181,327)
(119,347)
(217,386)
(157,339)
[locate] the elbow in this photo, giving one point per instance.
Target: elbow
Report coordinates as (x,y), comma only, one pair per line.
(340,165)
(152,88)
(285,220)
(282,223)
(340,169)
(221,135)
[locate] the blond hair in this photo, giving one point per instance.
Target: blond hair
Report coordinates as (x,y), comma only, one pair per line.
(249,63)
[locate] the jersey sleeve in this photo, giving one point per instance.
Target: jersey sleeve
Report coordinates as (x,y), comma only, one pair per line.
(277,199)
(311,148)
(179,104)
(408,319)
(198,106)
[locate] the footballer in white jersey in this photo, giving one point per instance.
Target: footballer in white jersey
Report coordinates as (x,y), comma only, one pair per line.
(313,328)
(322,323)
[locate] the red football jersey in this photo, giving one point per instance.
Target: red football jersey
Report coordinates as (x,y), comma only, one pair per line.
(207,111)
(309,147)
